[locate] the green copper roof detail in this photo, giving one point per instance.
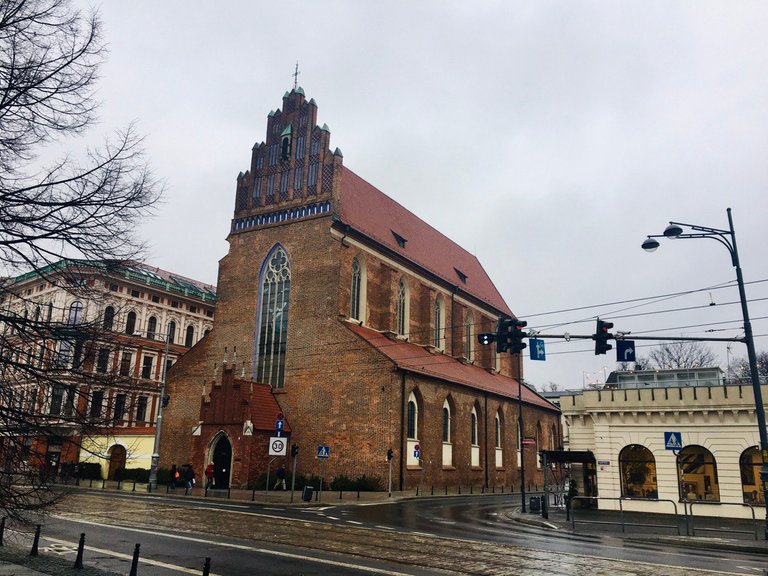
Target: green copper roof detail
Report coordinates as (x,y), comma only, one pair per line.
(325,128)
(300,90)
(286,95)
(271,113)
(287,132)
(337,152)
(312,101)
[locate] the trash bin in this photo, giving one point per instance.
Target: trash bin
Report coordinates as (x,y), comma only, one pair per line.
(306,494)
(534,504)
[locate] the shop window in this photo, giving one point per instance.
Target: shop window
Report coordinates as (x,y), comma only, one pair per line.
(697,471)
(637,468)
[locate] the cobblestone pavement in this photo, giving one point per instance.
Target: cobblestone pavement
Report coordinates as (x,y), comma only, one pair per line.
(429,552)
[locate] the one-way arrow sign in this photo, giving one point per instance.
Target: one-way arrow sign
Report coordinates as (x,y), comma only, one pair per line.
(625,350)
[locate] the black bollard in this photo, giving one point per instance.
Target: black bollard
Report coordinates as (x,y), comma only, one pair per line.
(471,489)
(446,489)
(417,490)
(35,542)
(134,486)
(358,493)
(339,493)
(135,564)
(103,483)
(80,548)
(90,484)
(2,530)
(433,491)
(207,566)
(229,493)
(459,489)
(253,494)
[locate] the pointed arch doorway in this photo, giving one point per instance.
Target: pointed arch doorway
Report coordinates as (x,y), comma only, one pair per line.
(222,461)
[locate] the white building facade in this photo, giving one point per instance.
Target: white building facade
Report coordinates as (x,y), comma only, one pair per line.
(659,446)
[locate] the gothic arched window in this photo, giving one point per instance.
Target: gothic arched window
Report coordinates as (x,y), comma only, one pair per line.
(438,340)
(354,307)
(274,296)
(402,308)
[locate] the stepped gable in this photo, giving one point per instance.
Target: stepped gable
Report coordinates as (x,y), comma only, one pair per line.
(374,214)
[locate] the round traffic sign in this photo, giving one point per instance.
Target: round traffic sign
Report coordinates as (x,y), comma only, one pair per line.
(278,446)
(417,447)
(280,416)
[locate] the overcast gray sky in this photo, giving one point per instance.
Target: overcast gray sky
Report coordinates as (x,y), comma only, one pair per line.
(548,138)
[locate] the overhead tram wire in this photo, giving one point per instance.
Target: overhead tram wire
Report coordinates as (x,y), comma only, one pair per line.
(729,284)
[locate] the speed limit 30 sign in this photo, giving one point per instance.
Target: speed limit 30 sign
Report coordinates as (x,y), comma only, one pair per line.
(278,446)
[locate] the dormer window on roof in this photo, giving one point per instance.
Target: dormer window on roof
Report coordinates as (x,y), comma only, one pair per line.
(399,239)
(461,275)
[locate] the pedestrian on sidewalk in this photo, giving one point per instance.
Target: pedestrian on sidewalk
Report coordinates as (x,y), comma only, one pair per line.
(209,479)
(189,476)
(173,477)
(280,477)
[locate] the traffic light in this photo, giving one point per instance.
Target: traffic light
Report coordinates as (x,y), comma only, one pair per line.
(602,335)
(510,335)
(390,455)
(517,345)
(294,450)
(166,399)
(485,338)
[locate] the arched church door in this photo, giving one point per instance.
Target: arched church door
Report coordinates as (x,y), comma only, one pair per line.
(116,461)
(222,462)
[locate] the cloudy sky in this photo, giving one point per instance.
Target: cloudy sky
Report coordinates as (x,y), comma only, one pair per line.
(548,138)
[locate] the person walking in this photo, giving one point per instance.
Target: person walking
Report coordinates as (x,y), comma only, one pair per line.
(174,477)
(280,477)
(189,476)
(209,480)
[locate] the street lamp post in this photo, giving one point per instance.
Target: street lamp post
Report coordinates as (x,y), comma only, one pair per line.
(728,239)
(152,483)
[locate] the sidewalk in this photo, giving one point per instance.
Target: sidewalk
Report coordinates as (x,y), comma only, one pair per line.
(732,534)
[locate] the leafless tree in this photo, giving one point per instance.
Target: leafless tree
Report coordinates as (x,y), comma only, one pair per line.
(81,210)
(682,354)
(739,369)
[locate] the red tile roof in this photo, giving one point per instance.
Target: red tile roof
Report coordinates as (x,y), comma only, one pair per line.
(264,407)
(374,214)
(416,359)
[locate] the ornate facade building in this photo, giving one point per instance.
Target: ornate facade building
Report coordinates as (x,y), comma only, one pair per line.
(357,321)
(85,347)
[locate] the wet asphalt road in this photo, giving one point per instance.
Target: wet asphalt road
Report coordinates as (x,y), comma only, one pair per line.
(461,535)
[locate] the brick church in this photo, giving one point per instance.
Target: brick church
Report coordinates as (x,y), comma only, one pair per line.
(356,320)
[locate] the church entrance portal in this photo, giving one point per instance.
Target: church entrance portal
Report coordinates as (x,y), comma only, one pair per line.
(222,461)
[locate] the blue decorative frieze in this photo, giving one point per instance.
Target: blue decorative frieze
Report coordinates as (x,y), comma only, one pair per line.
(281,216)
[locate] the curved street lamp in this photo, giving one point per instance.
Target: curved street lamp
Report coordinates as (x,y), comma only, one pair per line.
(727,238)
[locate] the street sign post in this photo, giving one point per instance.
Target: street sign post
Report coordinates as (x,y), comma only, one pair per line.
(278,446)
(625,350)
(538,352)
(323,453)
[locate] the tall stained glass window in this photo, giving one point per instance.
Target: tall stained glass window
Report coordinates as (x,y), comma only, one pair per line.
(273,329)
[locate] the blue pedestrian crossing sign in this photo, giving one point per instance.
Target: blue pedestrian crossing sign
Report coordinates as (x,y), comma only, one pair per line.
(537,349)
(673,441)
(323,451)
